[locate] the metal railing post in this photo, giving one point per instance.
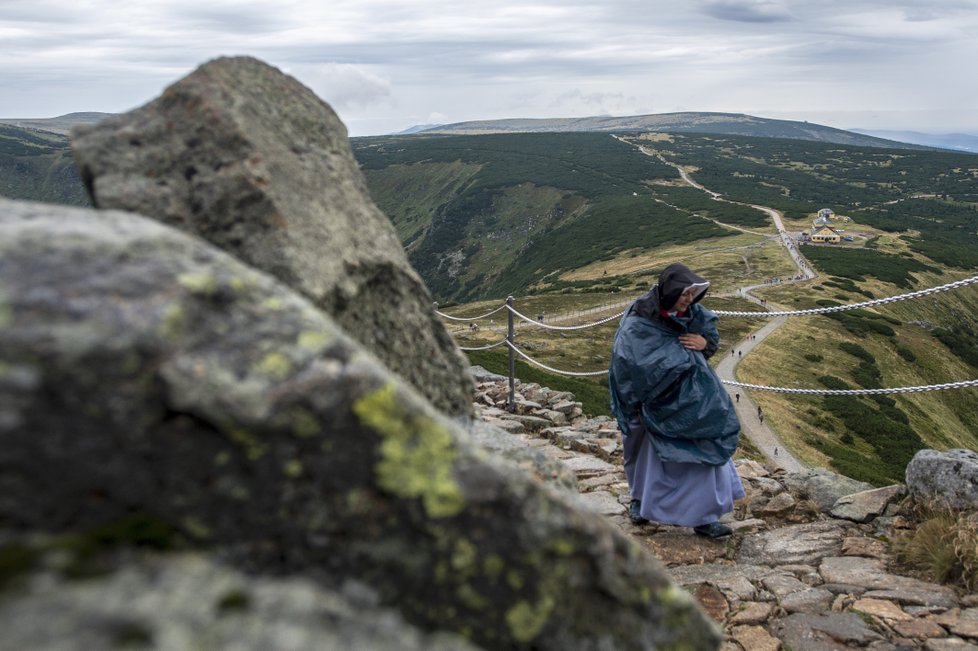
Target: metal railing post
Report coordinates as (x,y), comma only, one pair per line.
(510,337)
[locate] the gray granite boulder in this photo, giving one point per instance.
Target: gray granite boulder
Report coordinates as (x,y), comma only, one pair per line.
(148,377)
(189,601)
(944,478)
(251,160)
(823,486)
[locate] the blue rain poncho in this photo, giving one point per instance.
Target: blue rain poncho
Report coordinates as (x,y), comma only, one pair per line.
(672,390)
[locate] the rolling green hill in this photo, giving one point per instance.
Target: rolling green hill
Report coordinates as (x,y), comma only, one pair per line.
(685,122)
(491,215)
(37,166)
(575,220)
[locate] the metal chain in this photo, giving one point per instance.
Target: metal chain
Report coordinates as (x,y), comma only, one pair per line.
(759,387)
(854,306)
(855,392)
(498,343)
(473,318)
(552,370)
(551,327)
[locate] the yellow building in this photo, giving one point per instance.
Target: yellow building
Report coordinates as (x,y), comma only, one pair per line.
(826,234)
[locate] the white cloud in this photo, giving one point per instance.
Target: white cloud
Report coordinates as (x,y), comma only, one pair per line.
(386,65)
(345,86)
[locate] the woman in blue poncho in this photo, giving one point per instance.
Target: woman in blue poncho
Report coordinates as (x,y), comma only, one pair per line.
(678,424)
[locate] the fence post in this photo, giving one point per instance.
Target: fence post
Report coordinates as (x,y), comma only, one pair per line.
(511,335)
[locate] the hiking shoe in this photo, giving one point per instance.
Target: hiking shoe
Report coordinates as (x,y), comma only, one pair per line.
(713,530)
(633,512)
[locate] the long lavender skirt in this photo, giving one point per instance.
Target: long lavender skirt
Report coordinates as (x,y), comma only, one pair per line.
(685,494)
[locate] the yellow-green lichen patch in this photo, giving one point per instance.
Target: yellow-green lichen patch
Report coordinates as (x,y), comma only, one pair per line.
(472,599)
(514,579)
(292,468)
(313,339)
(678,611)
(562,547)
(199,283)
(254,448)
(276,365)
(526,620)
(416,453)
(173,321)
(15,560)
(272,303)
(358,501)
(196,528)
(463,556)
(492,566)
(304,423)
(222,458)
(5,312)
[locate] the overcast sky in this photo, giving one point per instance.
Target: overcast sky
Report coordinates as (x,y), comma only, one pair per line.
(387,65)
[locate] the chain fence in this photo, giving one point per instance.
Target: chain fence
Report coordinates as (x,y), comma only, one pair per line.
(514,350)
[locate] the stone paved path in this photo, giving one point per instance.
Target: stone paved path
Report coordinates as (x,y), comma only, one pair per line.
(808,567)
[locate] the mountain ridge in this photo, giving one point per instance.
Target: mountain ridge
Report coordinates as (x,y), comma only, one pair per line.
(686,121)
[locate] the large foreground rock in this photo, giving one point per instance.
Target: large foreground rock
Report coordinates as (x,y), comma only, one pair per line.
(250,159)
(947,479)
(182,601)
(148,377)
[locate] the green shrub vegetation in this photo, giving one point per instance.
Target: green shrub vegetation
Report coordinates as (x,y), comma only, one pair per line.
(962,340)
(856,264)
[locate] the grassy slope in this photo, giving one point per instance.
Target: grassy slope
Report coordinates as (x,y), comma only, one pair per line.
(893,345)
(38,166)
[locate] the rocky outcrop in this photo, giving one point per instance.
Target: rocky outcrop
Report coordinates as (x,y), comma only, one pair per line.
(808,566)
(158,392)
(189,601)
(824,486)
(947,479)
(251,160)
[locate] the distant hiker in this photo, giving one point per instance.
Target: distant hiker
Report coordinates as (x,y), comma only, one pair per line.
(775,451)
(759,411)
(679,428)
(739,354)
(737,396)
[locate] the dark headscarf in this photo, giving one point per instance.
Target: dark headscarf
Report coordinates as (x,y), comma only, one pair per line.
(674,280)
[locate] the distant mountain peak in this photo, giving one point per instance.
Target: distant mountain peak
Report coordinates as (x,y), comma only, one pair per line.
(688,121)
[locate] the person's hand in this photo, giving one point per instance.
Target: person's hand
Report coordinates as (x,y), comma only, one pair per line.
(692,341)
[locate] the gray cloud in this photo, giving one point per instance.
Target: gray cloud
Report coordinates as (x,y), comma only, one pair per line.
(384,65)
(747,11)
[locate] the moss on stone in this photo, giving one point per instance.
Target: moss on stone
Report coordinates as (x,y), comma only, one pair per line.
(254,448)
(272,303)
(562,547)
(196,528)
(313,339)
(304,423)
(276,365)
(198,283)
(14,561)
(233,601)
(173,321)
(6,315)
(492,566)
(464,556)
(416,454)
(471,598)
(292,468)
(514,579)
(526,620)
